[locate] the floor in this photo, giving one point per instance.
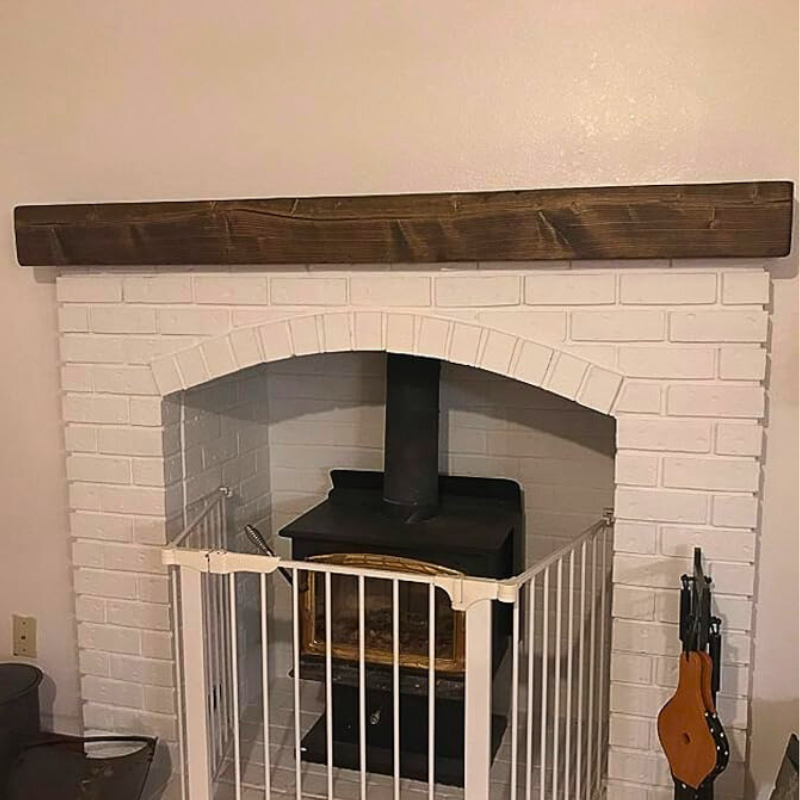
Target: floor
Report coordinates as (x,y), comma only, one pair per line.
(346,783)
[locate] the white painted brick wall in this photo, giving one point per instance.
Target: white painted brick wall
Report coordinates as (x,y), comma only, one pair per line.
(677,355)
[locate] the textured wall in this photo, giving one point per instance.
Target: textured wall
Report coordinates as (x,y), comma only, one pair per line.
(115,102)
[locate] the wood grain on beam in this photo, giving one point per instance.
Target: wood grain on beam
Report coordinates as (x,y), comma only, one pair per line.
(620,222)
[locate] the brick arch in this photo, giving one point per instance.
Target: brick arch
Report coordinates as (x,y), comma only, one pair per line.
(522,358)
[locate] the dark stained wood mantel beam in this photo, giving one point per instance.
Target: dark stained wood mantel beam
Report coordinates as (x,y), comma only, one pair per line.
(725,220)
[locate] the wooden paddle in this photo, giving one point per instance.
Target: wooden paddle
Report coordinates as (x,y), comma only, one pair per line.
(683,728)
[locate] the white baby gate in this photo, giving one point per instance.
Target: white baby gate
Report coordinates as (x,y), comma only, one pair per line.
(242,739)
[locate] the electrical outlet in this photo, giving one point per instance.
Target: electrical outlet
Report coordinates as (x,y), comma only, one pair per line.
(24,636)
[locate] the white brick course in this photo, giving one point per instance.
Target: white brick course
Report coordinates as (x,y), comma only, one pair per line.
(399,334)
(639,398)
(693,436)
(80,438)
(192,367)
(599,389)
(218,357)
(566,375)
(618,326)
(735,510)
(660,505)
(742,363)
(98,469)
(465,343)
(230,289)
(157,289)
(634,603)
(569,290)
(630,732)
(477,291)
(202,321)
(95,408)
(734,439)
(668,288)
(73,319)
(123,319)
(631,668)
(497,352)
(89,289)
(76,378)
(687,400)
(112,528)
(118,693)
(741,288)
(308,291)
(635,537)
(124,380)
(718,326)
(636,469)
(733,545)
(405,290)
(739,475)
(667,362)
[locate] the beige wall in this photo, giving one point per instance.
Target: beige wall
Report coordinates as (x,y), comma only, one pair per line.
(106,100)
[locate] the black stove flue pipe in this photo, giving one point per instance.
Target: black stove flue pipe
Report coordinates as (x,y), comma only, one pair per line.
(411,447)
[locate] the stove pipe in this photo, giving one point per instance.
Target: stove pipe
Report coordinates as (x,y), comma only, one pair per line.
(411,447)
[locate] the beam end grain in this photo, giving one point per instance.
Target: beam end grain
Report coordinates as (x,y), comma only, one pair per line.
(731,220)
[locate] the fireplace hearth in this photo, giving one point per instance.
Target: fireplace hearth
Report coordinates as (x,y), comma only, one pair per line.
(406,518)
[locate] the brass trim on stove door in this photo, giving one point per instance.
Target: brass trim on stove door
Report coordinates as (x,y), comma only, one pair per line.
(312,643)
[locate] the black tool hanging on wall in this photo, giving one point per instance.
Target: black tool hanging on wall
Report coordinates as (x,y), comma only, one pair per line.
(690,731)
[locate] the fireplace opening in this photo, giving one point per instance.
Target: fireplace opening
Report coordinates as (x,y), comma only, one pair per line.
(511,457)
(407,518)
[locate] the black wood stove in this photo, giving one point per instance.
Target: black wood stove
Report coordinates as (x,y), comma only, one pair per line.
(407,518)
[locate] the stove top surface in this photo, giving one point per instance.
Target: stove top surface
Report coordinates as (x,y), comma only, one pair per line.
(476,515)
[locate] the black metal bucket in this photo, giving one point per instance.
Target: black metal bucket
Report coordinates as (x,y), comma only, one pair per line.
(19,713)
(74,768)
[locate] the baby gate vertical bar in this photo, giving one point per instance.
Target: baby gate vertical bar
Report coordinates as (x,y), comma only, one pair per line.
(234,642)
(601,712)
(478,700)
(328,687)
(207,582)
(545,670)
(531,660)
(296,682)
(431,690)
(396,683)
(557,678)
(581,669)
(570,611)
(196,686)
(176,631)
(362,692)
(216,667)
(590,724)
(265,684)
(225,690)
(514,696)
